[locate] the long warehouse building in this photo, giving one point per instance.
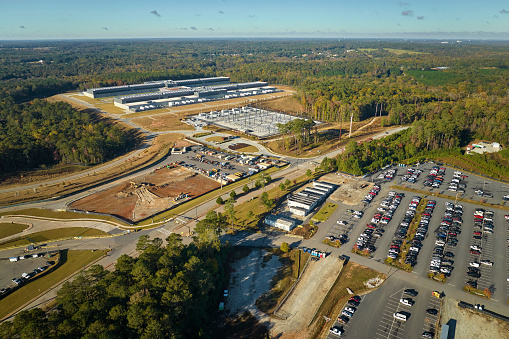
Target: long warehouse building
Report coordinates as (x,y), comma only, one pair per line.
(153,86)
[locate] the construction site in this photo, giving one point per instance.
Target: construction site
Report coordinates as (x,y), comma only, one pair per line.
(248,120)
(147,195)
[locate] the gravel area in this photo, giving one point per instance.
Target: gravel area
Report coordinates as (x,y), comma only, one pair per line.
(308,295)
(469,324)
(251,278)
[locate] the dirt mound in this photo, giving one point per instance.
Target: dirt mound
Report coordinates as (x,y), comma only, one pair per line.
(238,146)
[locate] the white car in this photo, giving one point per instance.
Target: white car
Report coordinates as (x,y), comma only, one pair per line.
(336,330)
(341,222)
(487,262)
(350,309)
(474,264)
(407,301)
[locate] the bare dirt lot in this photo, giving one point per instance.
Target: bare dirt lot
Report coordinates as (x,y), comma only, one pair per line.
(470,324)
(349,191)
(308,295)
(148,194)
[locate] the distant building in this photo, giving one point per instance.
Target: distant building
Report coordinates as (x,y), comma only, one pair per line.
(483,147)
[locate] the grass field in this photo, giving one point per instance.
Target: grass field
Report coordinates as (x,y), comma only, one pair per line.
(7,229)
(325,212)
(70,262)
(45,213)
(248,149)
(110,108)
(54,234)
(86,99)
(402,51)
(214,139)
(432,78)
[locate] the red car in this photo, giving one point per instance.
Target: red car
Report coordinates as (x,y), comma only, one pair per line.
(475,252)
(356,298)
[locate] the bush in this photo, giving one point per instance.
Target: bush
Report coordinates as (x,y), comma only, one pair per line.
(285,247)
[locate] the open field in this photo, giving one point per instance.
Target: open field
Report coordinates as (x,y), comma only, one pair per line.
(325,212)
(243,148)
(8,229)
(110,108)
(402,51)
(286,104)
(70,262)
(147,195)
(49,235)
(214,139)
(150,155)
(163,122)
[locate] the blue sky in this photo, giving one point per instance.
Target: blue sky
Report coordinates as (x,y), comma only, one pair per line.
(94,19)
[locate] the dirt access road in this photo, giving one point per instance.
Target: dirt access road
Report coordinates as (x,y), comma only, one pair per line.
(307,296)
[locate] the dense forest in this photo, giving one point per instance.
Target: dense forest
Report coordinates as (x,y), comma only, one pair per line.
(38,133)
(169,291)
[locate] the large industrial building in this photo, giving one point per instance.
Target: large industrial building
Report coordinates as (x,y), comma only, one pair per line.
(169,93)
(152,86)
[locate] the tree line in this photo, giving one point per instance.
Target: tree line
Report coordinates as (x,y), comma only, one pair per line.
(168,291)
(40,133)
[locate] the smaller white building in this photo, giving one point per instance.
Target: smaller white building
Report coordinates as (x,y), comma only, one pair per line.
(280,222)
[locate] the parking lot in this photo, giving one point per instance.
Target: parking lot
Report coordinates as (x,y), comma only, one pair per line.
(492,240)
(13,270)
(374,316)
(487,190)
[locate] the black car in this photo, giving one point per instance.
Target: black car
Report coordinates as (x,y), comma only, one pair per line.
(432,311)
(472,283)
(411,292)
(449,254)
(474,274)
(353,303)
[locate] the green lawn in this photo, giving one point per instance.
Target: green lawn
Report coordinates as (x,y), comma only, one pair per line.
(325,212)
(7,229)
(54,234)
(248,149)
(70,262)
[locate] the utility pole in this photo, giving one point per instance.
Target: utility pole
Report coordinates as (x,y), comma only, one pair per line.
(351,121)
